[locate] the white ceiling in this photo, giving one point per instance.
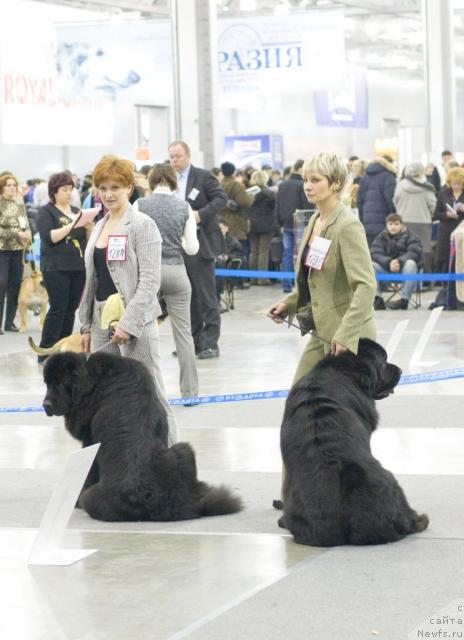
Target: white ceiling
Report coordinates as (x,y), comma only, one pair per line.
(386,35)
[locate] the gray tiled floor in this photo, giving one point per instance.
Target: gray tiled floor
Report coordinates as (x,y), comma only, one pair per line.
(238,576)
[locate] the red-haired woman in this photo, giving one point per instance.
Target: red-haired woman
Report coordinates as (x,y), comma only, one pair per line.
(15,234)
(123,256)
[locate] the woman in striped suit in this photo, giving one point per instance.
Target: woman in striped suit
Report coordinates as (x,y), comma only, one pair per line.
(123,256)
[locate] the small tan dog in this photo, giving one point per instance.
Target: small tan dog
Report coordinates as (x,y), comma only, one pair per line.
(70,343)
(32,294)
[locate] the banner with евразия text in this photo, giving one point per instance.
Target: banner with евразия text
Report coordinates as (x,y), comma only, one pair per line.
(285,54)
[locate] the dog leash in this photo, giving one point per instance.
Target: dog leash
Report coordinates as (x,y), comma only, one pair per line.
(102,347)
(111,330)
(311,333)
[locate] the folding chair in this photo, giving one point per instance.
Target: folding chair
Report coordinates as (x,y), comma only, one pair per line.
(393,290)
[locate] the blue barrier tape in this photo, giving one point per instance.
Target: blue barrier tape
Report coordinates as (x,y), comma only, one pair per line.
(414,378)
(387,277)
(246,273)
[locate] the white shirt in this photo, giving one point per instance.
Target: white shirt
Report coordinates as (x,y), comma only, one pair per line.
(182,182)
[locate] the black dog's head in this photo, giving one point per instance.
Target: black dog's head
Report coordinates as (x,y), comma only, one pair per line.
(64,374)
(377,376)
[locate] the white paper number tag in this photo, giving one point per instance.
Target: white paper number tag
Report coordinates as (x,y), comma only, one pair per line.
(116,248)
(22,223)
(317,253)
(193,194)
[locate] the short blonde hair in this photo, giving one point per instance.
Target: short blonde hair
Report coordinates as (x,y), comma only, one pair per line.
(114,168)
(455,174)
(259,178)
(330,166)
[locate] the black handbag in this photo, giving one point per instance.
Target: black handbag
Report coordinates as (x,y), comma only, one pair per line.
(305,318)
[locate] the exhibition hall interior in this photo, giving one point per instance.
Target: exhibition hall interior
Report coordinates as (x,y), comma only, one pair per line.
(321,144)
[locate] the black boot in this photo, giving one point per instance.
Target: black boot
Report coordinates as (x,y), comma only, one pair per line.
(402,303)
(379,304)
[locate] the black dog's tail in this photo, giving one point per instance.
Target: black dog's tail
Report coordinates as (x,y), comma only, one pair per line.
(218,501)
(422,522)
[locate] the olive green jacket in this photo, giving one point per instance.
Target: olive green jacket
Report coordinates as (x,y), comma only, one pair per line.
(342,294)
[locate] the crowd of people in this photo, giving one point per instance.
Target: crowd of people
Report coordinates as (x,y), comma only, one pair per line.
(202,219)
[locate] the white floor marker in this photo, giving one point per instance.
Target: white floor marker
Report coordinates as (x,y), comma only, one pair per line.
(395,339)
(46,548)
(415,361)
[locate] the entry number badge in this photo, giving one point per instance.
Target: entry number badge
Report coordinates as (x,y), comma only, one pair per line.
(116,248)
(317,253)
(193,194)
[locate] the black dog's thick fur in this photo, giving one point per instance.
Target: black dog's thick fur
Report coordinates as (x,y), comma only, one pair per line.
(135,475)
(338,493)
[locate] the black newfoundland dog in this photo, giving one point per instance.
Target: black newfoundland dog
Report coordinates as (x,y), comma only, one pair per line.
(338,493)
(135,476)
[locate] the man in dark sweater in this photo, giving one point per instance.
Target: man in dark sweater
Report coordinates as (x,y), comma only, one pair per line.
(290,196)
(396,250)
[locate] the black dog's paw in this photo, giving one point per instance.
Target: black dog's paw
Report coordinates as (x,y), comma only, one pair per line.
(281,522)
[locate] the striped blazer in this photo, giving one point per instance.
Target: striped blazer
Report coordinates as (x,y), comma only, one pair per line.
(137,280)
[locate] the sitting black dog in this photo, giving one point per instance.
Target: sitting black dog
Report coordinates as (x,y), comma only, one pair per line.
(135,476)
(338,493)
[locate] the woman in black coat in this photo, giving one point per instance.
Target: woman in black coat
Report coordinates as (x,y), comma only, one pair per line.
(453,195)
(262,225)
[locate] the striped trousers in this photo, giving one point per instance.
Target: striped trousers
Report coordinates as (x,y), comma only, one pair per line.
(145,349)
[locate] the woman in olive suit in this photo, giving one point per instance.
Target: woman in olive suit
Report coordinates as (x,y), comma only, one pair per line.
(338,299)
(335,298)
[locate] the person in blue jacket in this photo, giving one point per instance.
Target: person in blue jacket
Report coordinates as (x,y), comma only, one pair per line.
(375,196)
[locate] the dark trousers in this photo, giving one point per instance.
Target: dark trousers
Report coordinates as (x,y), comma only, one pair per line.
(287,257)
(64,290)
(260,244)
(204,306)
(11,273)
(370,238)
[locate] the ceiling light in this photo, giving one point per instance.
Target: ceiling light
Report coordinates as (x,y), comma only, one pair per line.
(372,29)
(282,8)
(355,55)
(247,5)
